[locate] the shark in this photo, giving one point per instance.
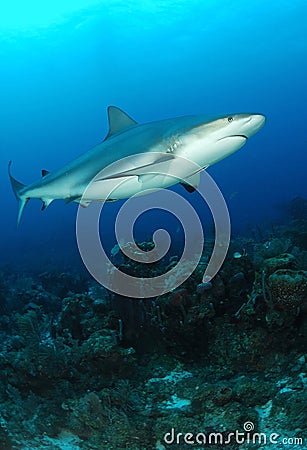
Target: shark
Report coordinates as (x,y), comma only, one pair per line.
(133,158)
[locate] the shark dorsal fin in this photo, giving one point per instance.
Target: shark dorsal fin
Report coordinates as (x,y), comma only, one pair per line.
(118,121)
(45,172)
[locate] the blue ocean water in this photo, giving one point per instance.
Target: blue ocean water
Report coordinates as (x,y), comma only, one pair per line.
(62,65)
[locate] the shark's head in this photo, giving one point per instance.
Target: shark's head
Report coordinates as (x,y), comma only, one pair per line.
(208,142)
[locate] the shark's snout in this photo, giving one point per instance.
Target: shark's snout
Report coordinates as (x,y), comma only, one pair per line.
(252,124)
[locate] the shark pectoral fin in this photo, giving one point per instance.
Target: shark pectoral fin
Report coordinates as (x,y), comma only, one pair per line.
(118,121)
(192,182)
(188,188)
(151,168)
(148,177)
(45,172)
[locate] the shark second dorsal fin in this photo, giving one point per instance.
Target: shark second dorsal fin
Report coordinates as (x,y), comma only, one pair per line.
(118,121)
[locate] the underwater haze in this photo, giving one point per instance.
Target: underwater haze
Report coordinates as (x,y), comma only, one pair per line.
(63,63)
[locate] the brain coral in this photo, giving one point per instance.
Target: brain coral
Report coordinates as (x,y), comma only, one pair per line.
(288,288)
(287,294)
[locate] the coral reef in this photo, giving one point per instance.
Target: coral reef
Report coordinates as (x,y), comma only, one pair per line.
(288,292)
(283,261)
(82,368)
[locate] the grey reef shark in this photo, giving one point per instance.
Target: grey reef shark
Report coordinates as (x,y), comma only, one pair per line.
(135,159)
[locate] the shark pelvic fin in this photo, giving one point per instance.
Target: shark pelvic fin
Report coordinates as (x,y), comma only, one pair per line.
(118,121)
(17,188)
(45,172)
(46,203)
(71,199)
(77,199)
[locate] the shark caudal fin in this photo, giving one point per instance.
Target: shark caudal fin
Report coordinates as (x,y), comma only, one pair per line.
(17,188)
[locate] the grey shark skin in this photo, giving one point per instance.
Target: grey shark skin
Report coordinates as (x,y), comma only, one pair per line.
(194,138)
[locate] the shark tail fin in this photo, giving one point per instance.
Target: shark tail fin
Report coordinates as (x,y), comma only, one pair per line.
(17,188)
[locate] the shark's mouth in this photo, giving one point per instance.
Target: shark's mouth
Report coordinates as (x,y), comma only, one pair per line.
(239,135)
(234,136)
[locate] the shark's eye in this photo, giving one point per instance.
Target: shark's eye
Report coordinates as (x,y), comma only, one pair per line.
(230,119)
